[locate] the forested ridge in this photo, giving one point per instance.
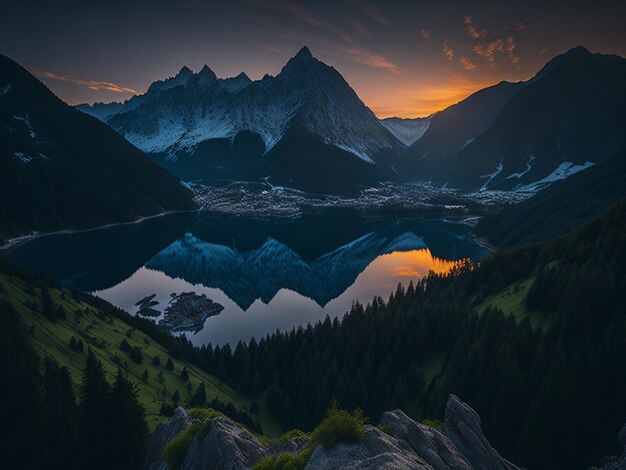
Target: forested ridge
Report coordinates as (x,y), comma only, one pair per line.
(550,395)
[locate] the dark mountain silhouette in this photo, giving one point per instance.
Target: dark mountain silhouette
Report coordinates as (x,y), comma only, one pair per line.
(62,169)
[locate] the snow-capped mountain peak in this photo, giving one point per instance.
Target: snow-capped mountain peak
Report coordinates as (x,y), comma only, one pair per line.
(308,97)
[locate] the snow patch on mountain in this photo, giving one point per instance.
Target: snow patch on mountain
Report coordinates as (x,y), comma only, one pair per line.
(563,171)
(491,176)
(529,166)
(25,120)
(407,131)
(5,89)
(177,114)
(23,157)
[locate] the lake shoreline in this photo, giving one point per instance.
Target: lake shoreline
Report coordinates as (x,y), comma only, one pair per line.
(13,243)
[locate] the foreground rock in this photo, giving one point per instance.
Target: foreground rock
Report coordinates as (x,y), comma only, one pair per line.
(225,446)
(377,450)
(163,434)
(435,448)
(188,311)
(462,427)
(404,444)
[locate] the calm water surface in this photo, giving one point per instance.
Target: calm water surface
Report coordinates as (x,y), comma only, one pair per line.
(267,274)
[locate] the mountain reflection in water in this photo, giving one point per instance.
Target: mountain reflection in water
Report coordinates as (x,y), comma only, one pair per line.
(267,274)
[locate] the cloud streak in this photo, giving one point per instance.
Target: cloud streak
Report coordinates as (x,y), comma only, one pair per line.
(91,84)
(490,47)
(371,11)
(369,58)
(425,33)
(448,51)
(471,30)
(298,11)
(468,64)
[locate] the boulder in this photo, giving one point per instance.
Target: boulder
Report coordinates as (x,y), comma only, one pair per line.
(163,434)
(225,446)
(431,445)
(462,426)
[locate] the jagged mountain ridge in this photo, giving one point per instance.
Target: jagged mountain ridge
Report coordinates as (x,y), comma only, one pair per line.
(242,275)
(307,128)
(569,116)
(187,117)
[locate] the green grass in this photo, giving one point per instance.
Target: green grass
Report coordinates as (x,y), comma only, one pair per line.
(431,367)
(175,450)
(103,334)
(511,301)
(338,426)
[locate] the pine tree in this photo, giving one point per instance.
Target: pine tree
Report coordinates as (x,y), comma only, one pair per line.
(60,416)
(128,429)
(199,398)
(47,306)
(169,365)
(93,416)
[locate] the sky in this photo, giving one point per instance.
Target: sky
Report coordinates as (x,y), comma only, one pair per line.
(403,58)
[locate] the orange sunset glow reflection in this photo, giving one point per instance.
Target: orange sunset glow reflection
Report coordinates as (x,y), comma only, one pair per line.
(404,266)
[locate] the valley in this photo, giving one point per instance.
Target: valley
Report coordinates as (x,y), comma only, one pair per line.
(292,235)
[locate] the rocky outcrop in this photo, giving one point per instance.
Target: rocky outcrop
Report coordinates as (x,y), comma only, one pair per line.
(163,434)
(435,448)
(293,446)
(404,444)
(462,427)
(226,446)
(376,451)
(618,462)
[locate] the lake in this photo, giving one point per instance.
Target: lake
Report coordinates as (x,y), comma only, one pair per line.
(267,274)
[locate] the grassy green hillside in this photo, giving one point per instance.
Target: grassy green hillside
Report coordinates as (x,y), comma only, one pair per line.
(104,333)
(510,301)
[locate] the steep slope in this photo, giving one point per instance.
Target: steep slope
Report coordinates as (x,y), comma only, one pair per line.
(62,169)
(102,328)
(433,156)
(571,115)
(190,123)
(560,208)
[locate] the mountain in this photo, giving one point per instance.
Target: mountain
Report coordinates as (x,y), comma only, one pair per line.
(102,111)
(571,115)
(434,155)
(285,127)
(560,208)
(406,130)
(60,168)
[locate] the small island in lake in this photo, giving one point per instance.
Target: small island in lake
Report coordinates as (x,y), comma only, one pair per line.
(188,311)
(146,306)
